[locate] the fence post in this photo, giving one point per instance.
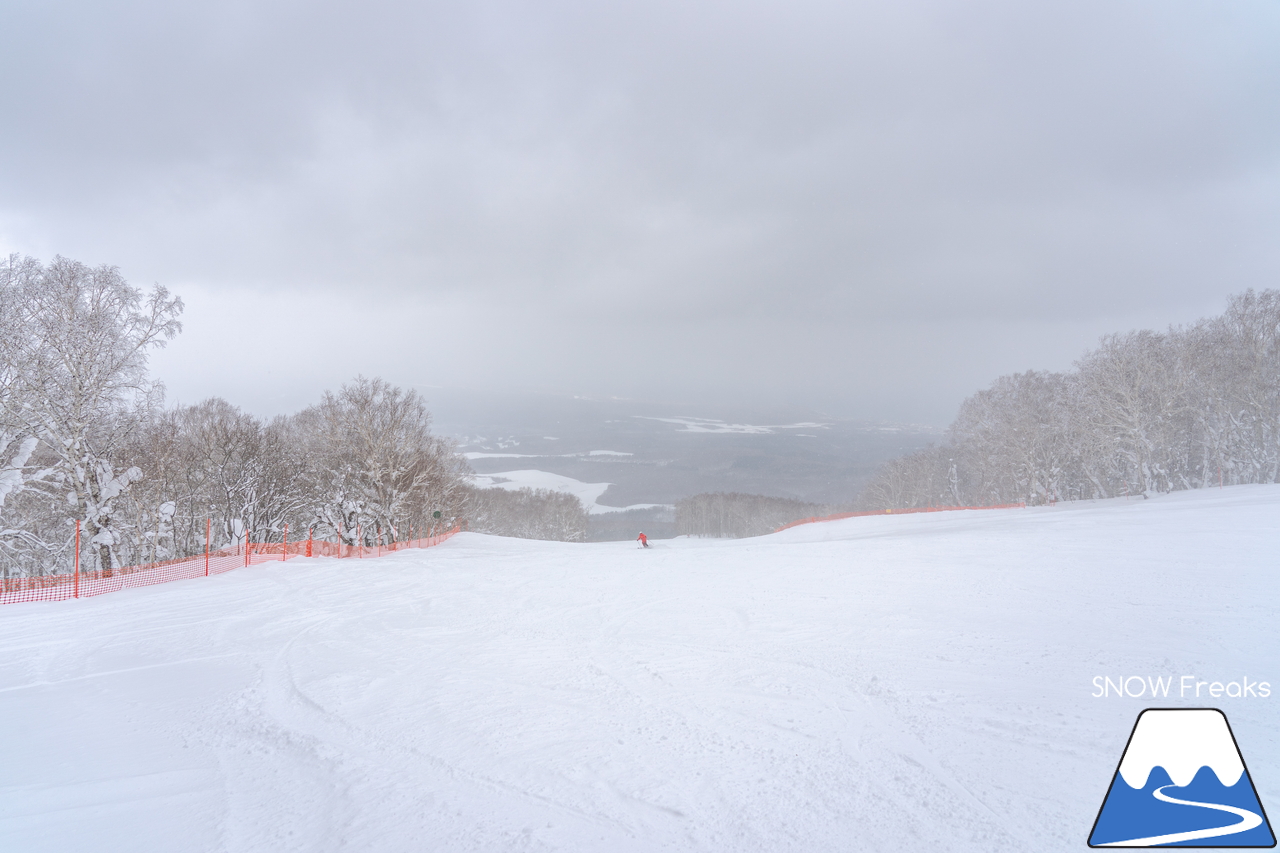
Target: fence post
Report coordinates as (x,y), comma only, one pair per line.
(359,542)
(285,549)
(77,580)
(310,533)
(208,526)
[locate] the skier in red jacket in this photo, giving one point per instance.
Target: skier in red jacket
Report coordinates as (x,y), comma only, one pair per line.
(643,540)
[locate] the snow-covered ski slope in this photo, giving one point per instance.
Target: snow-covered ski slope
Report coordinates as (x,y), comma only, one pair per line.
(905,683)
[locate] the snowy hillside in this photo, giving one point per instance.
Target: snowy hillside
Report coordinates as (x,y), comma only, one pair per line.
(919,682)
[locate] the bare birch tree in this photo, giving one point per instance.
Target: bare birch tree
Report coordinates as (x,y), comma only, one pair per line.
(80,383)
(375,466)
(527,514)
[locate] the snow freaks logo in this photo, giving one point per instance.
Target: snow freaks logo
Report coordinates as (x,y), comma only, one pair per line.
(1181,783)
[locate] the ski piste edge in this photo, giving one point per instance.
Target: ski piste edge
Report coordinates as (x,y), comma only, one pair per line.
(1129,741)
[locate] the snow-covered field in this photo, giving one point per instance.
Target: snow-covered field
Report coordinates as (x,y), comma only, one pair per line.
(902,683)
(588,493)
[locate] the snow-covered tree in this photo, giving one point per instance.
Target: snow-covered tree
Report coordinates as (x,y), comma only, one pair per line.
(76,380)
(216,463)
(1144,411)
(18,442)
(527,514)
(1237,358)
(1014,440)
(922,478)
(375,467)
(1135,400)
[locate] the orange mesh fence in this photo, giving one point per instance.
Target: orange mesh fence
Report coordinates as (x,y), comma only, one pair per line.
(905,511)
(84,584)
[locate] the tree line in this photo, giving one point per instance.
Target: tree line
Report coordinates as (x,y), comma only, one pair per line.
(1192,407)
(527,514)
(84,438)
(734,515)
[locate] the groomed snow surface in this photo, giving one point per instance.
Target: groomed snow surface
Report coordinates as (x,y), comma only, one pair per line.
(904,683)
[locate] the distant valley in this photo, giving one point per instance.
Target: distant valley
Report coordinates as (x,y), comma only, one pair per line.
(617,454)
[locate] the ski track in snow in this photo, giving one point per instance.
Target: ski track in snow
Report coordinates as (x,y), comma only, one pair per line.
(900,683)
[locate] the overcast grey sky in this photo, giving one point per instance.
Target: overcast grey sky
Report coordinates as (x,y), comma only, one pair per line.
(874,208)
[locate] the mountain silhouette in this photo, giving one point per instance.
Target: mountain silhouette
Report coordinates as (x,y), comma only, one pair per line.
(1203,811)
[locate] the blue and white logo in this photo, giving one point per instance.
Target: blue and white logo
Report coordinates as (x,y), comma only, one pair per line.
(1181,783)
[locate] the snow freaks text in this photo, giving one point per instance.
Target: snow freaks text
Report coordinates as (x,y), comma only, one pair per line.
(1183,687)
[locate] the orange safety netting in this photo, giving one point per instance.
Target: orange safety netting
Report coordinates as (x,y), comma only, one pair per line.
(905,511)
(84,584)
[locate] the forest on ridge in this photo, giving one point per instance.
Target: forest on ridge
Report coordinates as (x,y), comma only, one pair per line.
(1143,412)
(85,437)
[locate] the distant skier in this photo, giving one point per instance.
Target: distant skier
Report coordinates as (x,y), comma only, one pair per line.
(643,540)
